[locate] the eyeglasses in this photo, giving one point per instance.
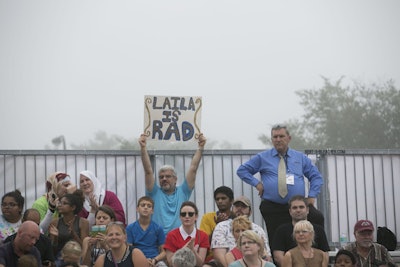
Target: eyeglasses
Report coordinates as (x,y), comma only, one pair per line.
(247,243)
(302,232)
(190,213)
(9,205)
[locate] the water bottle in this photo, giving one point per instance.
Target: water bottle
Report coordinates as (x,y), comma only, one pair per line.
(343,240)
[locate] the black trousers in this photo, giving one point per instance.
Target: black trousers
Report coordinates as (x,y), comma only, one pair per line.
(276,214)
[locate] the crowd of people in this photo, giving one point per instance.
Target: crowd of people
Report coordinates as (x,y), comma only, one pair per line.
(86,226)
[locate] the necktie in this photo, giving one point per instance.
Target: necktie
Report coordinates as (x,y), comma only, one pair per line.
(282,187)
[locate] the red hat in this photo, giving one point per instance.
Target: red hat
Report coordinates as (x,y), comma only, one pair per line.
(363,225)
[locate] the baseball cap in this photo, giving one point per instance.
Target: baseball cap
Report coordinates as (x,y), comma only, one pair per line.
(363,225)
(244,200)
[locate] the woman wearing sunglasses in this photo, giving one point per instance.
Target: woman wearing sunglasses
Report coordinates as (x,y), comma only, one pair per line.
(187,235)
(304,254)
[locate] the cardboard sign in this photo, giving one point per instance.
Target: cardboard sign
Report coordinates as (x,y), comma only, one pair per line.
(172,118)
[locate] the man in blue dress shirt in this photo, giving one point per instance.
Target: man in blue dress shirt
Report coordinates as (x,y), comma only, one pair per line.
(292,167)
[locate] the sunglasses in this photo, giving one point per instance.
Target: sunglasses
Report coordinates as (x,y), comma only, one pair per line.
(190,213)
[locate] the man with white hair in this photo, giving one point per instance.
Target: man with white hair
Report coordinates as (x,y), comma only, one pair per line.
(168,196)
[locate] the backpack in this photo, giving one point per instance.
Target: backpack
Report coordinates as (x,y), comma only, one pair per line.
(386,238)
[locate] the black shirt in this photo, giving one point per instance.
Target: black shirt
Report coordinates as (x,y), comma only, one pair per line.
(43,245)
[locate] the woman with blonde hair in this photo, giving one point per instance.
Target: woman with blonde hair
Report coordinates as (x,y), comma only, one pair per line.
(239,225)
(252,248)
(120,253)
(304,254)
(71,252)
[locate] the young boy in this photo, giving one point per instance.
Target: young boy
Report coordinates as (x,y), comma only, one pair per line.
(146,235)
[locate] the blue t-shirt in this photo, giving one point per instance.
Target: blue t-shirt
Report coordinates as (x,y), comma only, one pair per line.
(298,166)
(148,241)
(167,207)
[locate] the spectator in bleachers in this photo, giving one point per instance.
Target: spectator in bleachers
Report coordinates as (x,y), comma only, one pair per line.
(23,244)
(239,225)
(252,246)
(223,197)
(57,185)
(223,239)
(43,244)
(283,172)
(304,254)
(71,253)
(184,257)
(345,258)
(69,226)
(95,245)
(120,253)
(367,252)
(12,204)
(27,260)
(147,235)
(95,196)
(283,236)
(168,195)
(187,235)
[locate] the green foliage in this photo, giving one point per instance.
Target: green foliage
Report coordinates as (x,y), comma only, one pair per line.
(358,117)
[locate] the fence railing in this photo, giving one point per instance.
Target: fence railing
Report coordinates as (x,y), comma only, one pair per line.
(358,184)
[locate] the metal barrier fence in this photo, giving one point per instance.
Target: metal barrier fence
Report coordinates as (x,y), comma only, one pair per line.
(358,184)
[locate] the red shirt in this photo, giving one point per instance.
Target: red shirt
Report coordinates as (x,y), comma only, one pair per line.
(174,240)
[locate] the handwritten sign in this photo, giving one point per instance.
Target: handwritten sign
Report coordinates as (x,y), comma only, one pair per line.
(172,118)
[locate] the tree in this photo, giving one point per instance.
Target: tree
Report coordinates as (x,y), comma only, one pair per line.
(355,117)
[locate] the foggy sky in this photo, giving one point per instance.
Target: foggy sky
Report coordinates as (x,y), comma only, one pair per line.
(76,67)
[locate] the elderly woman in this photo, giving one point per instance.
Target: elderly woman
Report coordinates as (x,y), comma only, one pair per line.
(96,196)
(12,204)
(304,254)
(187,235)
(252,248)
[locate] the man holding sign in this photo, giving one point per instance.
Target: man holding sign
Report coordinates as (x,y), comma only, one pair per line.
(167,196)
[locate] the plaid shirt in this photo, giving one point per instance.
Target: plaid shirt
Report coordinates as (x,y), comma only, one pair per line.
(378,255)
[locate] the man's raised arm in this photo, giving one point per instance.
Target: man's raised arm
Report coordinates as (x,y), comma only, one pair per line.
(194,165)
(148,170)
